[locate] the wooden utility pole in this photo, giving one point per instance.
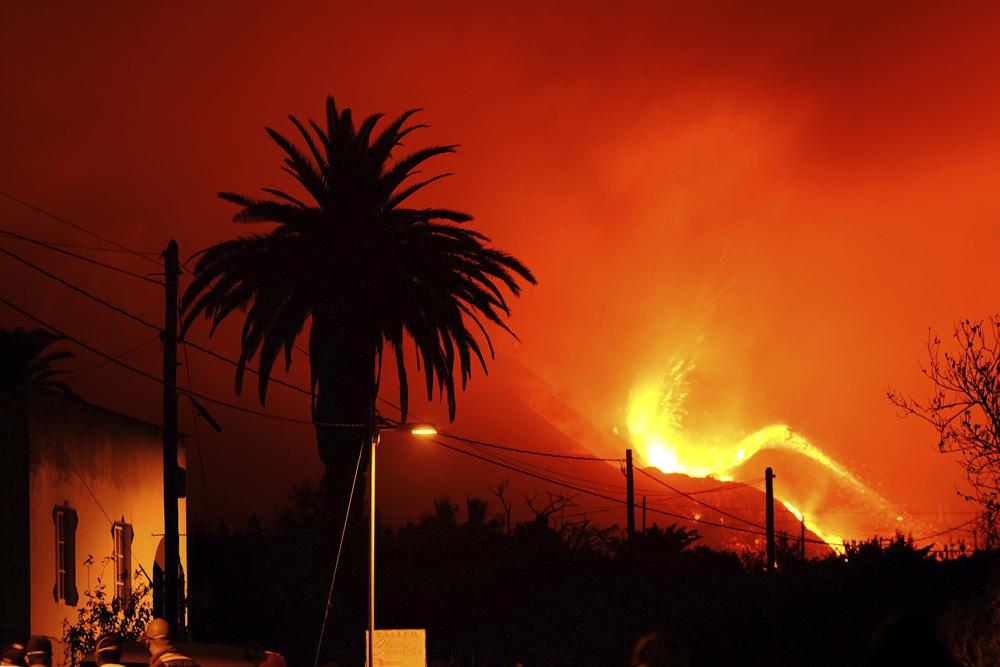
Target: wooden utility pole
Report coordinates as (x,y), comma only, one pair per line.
(802,536)
(629,494)
(643,514)
(769,509)
(171,540)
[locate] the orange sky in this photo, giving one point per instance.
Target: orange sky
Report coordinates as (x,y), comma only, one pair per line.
(804,191)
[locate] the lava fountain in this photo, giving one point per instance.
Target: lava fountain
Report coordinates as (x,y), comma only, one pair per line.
(656,428)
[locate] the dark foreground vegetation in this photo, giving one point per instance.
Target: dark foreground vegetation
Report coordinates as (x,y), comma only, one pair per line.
(547,592)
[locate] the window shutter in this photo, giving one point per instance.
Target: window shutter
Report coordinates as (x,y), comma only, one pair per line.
(127,535)
(57,513)
(70,522)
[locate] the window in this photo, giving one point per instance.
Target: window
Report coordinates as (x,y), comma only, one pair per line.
(64,520)
(121,532)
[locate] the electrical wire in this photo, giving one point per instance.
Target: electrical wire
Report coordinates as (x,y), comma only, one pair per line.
(699,501)
(148,256)
(136,318)
(601,510)
(106,362)
(302,390)
(79,290)
(592,484)
(722,488)
(79,228)
(946,531)
(204,350)
(572,457)
(55,247)
(197,437)
(652,510)
(153,378)
(247,368)
(598,495)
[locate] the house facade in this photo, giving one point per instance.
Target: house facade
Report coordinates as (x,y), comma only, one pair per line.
(81,502)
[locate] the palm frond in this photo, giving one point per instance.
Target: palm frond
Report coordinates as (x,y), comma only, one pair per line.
(350,259)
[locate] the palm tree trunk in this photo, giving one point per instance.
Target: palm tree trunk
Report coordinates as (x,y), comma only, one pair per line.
(343,368)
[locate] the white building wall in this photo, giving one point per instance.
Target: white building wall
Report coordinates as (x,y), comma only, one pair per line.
(107,467)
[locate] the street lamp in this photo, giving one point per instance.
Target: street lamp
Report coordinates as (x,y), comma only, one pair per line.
(423,429)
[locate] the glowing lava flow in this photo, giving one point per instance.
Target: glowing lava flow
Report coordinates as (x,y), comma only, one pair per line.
(655,424)
(835,542)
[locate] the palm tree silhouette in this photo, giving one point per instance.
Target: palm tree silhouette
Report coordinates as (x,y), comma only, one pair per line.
(24,363)
(367,271)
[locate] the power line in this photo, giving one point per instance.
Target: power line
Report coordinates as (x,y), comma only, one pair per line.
(729,486)
(301,390)
(699,501)
(76,246)
(946,531)
(77,227)
(527,472)
(600,510)
(197,437)
(247,368)
(593,484)
(111,359)
(595,494)
(106,362)
(120,248)
(653,510)
(472,441)
(738,529)
(153,378)
(553,455)
(79,290)
(136,318)
(55,248)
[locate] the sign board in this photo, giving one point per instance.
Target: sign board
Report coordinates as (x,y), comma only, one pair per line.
(399,648)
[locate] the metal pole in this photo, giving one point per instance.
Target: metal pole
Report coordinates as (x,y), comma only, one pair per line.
(171,540)
(769,478)
(371,556)
(629,494)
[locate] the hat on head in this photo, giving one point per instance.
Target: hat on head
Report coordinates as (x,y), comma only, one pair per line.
(158,628)
(273,659)
(108,648)
(109,642)
(39,646)
(14,652)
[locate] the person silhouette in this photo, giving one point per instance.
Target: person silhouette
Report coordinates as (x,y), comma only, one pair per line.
(659,649)
(39,651)
(108,651)
(159,642)
(13,654)
(909,639)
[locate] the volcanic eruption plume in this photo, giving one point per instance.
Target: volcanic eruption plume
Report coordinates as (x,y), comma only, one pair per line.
(656,428)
